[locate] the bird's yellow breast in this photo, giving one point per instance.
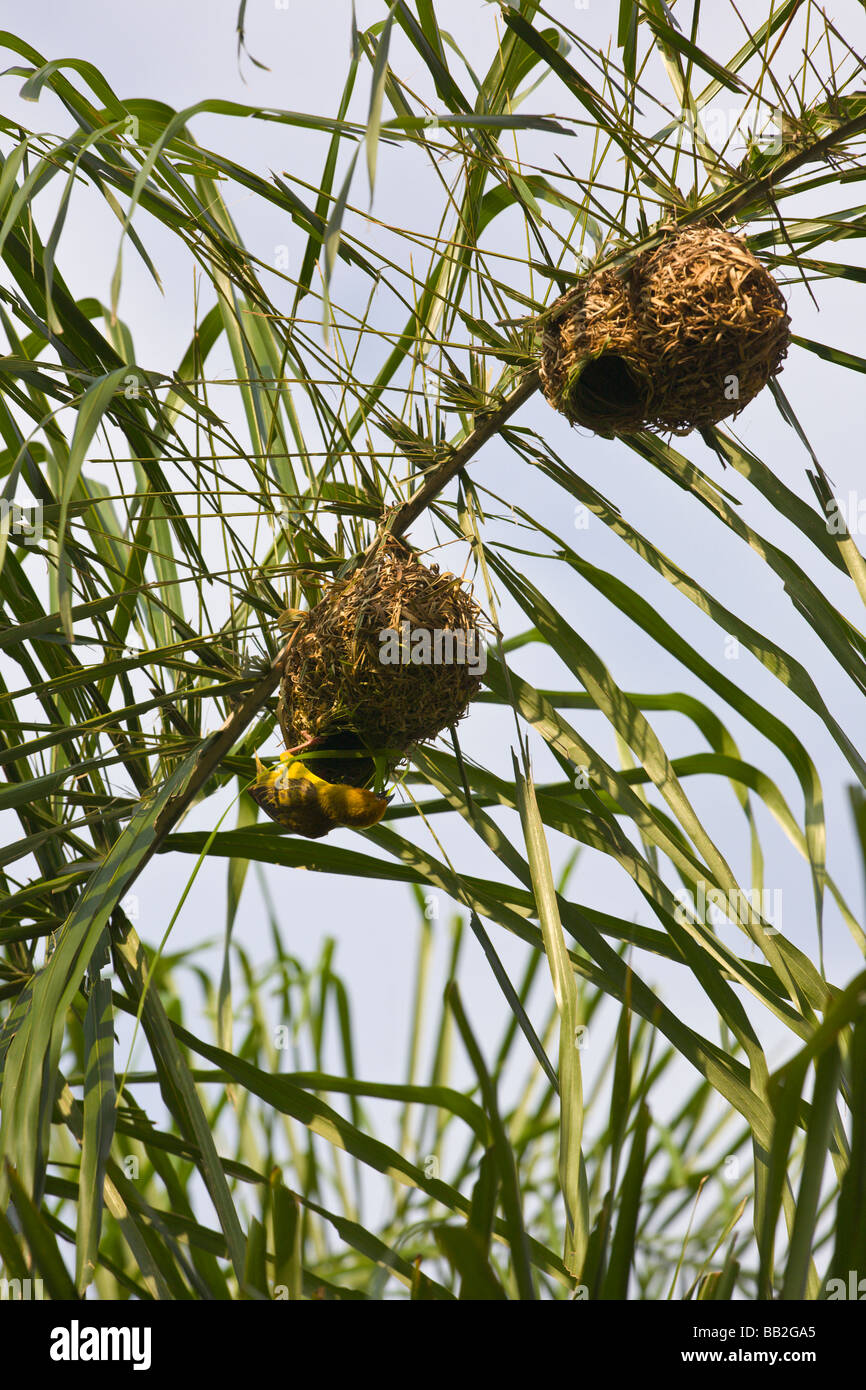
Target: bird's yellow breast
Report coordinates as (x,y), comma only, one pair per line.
(305,804)
(352,805)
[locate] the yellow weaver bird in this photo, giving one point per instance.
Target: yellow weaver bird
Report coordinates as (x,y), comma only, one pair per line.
(305,804)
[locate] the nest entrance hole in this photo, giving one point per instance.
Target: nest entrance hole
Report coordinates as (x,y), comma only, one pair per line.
(607,388)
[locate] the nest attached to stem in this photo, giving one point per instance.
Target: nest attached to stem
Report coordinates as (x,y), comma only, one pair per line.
(686,336)
(336,687)
(593,364)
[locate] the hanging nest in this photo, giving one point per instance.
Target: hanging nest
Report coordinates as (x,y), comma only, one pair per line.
(719,324)
(686,336)
(358,678)
(594,365)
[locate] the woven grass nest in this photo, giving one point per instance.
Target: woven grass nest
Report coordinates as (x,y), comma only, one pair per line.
(336,687)
(686,336)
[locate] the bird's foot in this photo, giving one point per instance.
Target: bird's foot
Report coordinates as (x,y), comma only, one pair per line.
(309,742)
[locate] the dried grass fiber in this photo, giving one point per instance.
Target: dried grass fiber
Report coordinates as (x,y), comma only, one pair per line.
(685,337)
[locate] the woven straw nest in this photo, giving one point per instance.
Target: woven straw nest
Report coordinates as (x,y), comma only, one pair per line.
(336,687)
(686,336)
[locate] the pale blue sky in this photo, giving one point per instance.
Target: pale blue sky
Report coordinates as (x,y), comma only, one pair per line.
(185,52)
